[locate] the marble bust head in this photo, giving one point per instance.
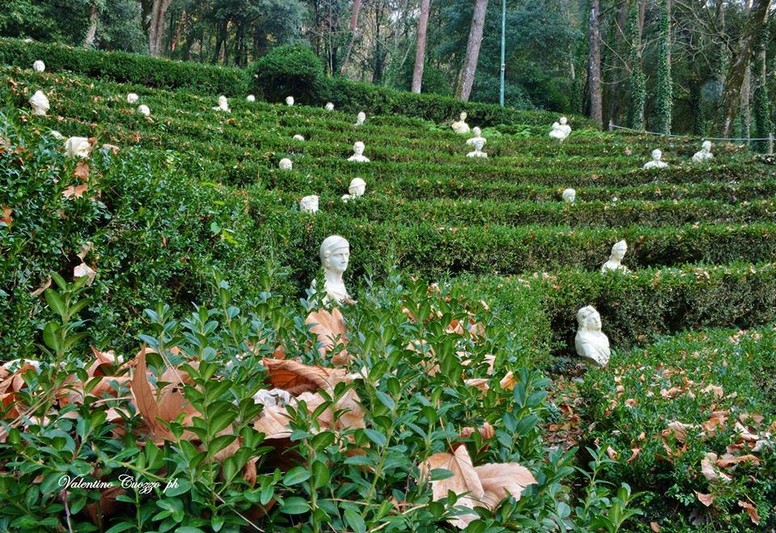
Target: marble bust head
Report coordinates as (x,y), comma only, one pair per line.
(298,137)
(360,118)
(39,103)
(223,104)
(309,204)
(329,106)
(358,153)
(477,134)
(615,259)
(478,142)
(144,110)
(289,100)
(657,161)
(590,342)
(460,126)
(132,98)
(335,255)
(38,66)
(250,98)
(285,164)
(357,187)
(569,195)
(78,147)
(560,130)
(704,154)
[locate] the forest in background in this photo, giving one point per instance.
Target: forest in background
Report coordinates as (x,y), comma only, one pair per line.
(680,66)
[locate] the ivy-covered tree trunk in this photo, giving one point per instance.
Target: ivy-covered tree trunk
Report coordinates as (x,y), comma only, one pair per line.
(594,64)
(420,53)
(664,93)
(637,81)
(466,77)
(762,108)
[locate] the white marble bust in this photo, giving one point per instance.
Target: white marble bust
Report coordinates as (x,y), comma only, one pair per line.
(38,66)
(657,161)
(355,189)
(250,98)
(132,98)
(461,126)
(335,254)
(223,104)
(329,106)
(560,131)
(478,144)
(590,341)
(309,204)
(78,147)
(39,103)
(358,153)
(289,100)
(144,110)
(569,195)
(360,118)
(285,164)
(704,154)
(477,132)
(615,259)
(298,137)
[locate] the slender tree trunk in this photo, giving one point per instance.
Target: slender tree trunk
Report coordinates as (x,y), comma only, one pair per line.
(156,26)
(352,28)
(737,69)
(420,55)
(594,67)
(91,31)
(466,77)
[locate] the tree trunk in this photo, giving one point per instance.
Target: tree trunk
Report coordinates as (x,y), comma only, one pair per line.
(352,28)
(737,70)
(466,77)
(664,97)
(420,55)
(91,31)
(594,68)
(156,26)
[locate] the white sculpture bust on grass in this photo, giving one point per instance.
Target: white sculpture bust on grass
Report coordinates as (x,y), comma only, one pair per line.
(704,154)
(285,164)
(223,104)
(144,110)
(78,147)
(360,118)
(39,103)
(250,98)
(358,153)
(298,137)
(132,98)
(615,259)
(38,66)
(461,126)
(477,135)
(334,254)
(657,161)
(590,341)
(289,100)
(569,195)
(478,144)
(560,131)
(329,106)
(309,204)
(356,189)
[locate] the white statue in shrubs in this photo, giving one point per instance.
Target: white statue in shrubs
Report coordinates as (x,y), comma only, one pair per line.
(298,137)
(615,259)
(250,98)
(289,100)
(78,147)
(657,161)
(358,153)
(38,66)
(477,135)
(329,106)
(560,131)
(223,104)
(132,98)
(285,164)
(335,255)
(39,103)
(569,195)
(309,204)
(478,144)
(590,342)
(355,189)
(360,118)
(705,153)
(144,110)
(461,126)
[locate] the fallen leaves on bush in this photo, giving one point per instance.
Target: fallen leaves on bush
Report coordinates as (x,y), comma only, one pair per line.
(329,327)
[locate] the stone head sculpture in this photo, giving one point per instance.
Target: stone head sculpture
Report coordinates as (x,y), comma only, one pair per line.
(588,319)
(590,342)
(360,118)
(706,146)
(563,121)
(463,116)
(298,137)
(132,98)
(38,66)
(144,110)
(289,100)
(335,253)
(615,259)
(250,98)
(357,187)
(569,195)
(78,147)
(39,103)
(358,148)
(309,204)
(657,154)
(285,164)
(329,106)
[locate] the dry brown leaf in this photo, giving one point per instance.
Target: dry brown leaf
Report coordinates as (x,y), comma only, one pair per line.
(143,394)
(508,382)
(705,499)
(464,482)
(478,383)
(273,422)
(82,171)
(7,217)
(677,430)
(635,452)
(717,418)
(75,191)
(716,390)
(612,453)
(42,288)
(348,408)
(486,431)
(500,481)
(751,510)
(297,378)
(671,393)
(84,271)
(329,327)
(654,526)
(728,460)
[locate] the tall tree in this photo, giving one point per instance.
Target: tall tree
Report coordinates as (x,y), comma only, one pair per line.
(154,12)
(637,81)
(758,15)
(594,64)
(352,27)
(664,93)
(466,77)
(420,53)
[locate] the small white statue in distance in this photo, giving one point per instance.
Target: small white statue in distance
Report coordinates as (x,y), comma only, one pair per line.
(132,98)
(39,103)
(615,259)
(560,131)
(58,136)
(358,153)
(289,100)
(78,147)
(329,106)
(590,342)
(309,204)
(569,195)
(38,66)
(355,189)
(704,154)
(656,162)
(223,104)
(477,135)
(285,164)
(461,126)
(144,110)
(478,144)
(250,98)
(335,254)
(360,118)
(298,137)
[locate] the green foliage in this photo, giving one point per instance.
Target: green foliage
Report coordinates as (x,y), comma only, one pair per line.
(664,88)
(291,70)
